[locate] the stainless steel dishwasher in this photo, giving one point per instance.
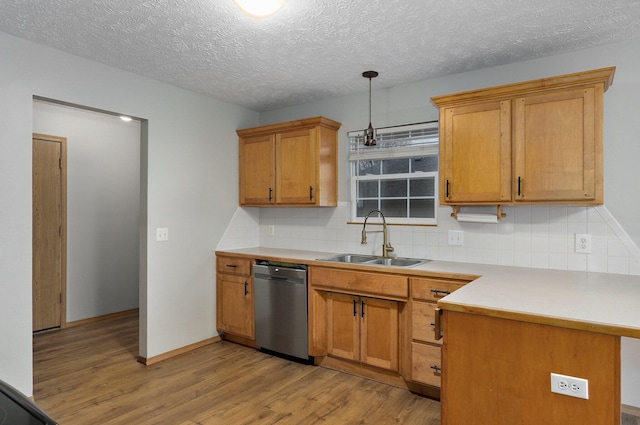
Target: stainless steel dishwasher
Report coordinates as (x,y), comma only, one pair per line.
(280,298)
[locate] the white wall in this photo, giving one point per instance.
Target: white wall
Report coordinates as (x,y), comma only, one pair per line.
(103,207)
(190,154)
(530,236)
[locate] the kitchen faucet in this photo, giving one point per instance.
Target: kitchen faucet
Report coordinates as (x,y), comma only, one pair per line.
(386,246)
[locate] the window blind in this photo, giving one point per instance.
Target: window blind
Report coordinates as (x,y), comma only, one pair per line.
(396,142)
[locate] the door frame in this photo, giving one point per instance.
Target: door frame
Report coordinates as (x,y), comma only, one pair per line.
(63,219)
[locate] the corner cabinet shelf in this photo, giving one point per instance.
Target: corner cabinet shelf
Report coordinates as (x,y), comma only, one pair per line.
(534,142)
(290,164)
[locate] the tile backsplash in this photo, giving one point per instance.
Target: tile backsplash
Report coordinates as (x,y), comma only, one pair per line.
(529,236)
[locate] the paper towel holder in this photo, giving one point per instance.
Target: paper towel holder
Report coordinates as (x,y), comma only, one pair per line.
(499,213)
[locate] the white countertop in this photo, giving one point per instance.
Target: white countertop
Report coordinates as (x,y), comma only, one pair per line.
(599,302)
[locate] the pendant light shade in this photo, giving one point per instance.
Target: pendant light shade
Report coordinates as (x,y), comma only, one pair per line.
(370,132)
(259,8)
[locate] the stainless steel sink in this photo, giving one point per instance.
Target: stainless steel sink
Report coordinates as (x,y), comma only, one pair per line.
(375,260)
(398,262)
(350,258)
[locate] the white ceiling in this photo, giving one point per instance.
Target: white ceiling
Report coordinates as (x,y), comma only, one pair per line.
(313,49)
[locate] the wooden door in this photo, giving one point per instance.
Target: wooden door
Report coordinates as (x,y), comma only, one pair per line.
(48,227)
(380,333)
(257,170)
(556,148)
(296,172)
(343,326)
(234,309)
(475,153)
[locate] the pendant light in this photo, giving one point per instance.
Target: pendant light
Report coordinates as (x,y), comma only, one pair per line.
(370,133)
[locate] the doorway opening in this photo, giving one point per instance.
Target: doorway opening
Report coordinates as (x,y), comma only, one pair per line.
(103,208)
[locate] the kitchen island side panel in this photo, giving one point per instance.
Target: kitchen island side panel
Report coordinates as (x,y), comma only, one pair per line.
(497,371)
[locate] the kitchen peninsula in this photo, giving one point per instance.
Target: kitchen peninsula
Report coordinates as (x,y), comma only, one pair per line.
(507,330)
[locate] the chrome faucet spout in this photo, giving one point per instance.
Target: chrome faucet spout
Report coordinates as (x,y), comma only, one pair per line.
(386,246)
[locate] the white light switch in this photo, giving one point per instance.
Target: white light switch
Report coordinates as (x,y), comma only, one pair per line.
(162,234)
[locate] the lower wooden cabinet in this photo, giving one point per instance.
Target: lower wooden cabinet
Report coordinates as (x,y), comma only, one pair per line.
(426,362)
(234,297)
(364,330)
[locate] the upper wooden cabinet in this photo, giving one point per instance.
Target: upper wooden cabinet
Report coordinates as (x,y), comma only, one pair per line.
(290,164)
(539,141)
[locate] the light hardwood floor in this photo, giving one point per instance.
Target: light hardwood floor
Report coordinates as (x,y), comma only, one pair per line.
(88,374)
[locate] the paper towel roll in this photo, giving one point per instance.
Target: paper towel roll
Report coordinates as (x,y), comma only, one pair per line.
(477,218)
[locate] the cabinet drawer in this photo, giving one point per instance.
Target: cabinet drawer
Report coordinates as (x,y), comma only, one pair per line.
(426,362)
(434,289)
(234,265)
(422,322)
(361,282)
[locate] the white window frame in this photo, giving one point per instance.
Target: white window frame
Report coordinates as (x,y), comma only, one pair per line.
(395,142)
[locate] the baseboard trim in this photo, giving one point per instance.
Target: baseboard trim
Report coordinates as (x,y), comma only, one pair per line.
(125,313)
(631,410)
(173,353)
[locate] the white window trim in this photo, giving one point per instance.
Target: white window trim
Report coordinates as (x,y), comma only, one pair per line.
(392,151)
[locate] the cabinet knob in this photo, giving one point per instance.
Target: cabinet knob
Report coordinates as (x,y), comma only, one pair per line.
(436,369)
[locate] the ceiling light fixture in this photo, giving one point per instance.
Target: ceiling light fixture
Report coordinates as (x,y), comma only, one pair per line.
(125,118)
(259,8)
(370,133)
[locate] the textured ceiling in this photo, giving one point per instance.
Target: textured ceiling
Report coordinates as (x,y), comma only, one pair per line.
(313,49)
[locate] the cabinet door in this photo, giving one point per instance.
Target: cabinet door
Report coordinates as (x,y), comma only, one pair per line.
(343,326)
(475,153)
(235,305)
(380,333)
(257,170)
(555,146)
(296,173)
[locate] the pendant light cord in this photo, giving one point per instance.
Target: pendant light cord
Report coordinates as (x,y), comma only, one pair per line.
(369,100)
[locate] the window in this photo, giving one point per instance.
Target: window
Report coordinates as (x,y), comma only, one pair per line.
(398,176)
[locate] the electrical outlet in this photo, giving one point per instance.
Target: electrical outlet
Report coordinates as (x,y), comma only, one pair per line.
(271,230)
(456,237)
(162,234)
(583,243)
(570,385)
